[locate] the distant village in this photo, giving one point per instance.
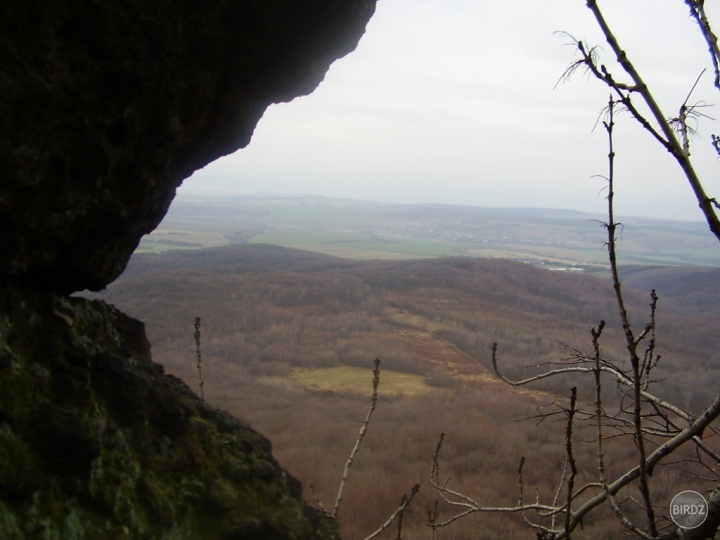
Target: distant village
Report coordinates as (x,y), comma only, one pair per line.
(464,234)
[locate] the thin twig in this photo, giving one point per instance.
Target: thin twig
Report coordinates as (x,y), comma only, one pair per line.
(397,514)
(570,458)
(561,483)
(198,358)
(316,497)
(361,436)
(631,341)
(697,12)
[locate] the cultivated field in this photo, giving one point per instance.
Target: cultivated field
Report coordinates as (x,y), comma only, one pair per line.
(363,230)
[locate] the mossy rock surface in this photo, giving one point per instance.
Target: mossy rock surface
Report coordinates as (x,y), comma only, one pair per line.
(96,442)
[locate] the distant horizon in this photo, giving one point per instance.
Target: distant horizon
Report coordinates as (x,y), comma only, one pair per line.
(218,193)
(370,229)
(460,104)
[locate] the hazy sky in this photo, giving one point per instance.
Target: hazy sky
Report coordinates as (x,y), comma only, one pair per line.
(455,101)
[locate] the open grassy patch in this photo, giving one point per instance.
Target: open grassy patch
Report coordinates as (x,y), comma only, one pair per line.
(163,239)
(359,380)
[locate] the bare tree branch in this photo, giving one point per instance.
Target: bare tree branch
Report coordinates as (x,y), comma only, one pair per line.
(361,436)
(697,12)
(570,458)
(398,513)
(671,142)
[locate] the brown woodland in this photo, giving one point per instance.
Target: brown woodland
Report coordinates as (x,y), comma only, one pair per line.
(267,310)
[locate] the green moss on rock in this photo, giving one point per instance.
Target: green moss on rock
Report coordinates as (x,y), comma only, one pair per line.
(96,442)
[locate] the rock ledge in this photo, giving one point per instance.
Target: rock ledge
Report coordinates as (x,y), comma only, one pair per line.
(96,442)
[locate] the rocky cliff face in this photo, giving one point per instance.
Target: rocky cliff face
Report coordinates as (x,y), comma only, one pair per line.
(105,107)
(95,442)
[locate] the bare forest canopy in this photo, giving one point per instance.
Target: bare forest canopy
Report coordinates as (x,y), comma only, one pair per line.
(364,230)
(289,336)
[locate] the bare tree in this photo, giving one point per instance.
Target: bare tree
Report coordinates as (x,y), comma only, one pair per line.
(660,432)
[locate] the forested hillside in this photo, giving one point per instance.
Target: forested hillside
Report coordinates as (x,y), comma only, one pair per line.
(288,340)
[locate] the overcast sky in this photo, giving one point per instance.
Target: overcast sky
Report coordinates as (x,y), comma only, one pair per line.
(455,101)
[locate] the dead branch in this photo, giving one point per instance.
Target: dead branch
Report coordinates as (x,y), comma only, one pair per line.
(570,458)
(397,514)
(198,358)
(361,436)
(668,139)
(697,12)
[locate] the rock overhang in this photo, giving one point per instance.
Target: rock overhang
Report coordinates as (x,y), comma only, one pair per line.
(106,107)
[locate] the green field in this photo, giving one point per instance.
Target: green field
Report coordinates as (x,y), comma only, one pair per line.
(357,230)
(359,380)
(163,239)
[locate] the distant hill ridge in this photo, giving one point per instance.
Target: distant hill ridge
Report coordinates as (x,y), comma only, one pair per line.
(242,258)
(694,287)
